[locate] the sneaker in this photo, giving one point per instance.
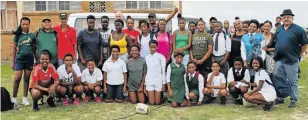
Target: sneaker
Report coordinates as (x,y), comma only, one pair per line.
(25,101)
(35,106)
(223,100)
(277,101)
(51,102)
(86,99)
(292,105)
(14,100)
(98,99)
(239,102)
(269,106)
(65,102)
(76,101)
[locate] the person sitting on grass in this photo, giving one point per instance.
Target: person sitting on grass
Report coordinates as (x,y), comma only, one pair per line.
(216,85)
(44,81)
(91,78)
(175,80)
(69,75)
(194,84)
(115,76)
(239,80)
(264,91)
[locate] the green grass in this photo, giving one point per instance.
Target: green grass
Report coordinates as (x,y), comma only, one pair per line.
(104,111)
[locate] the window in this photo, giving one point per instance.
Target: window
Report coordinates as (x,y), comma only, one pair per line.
(131,5)
(64,5)
(52,5)
(119,5)
(8,15)
(40,5)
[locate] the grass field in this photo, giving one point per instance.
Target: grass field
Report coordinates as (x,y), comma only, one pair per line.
(104,111)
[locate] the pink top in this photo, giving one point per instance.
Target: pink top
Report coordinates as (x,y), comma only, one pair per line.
(164,43)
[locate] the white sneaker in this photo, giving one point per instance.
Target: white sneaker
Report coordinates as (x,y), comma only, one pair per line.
(25,101)
(14,100)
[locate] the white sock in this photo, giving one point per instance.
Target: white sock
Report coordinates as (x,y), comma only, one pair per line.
(25,98)
(14,100)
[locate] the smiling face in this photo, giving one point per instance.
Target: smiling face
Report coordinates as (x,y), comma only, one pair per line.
(134,52)
(255,65)
(115,53)
(144,28)
(46,24)
(253,28)
(91,65)
(91,24)
(267,27)
(130,24)
(162,25)
(191,68)
(44,60)
(287,19)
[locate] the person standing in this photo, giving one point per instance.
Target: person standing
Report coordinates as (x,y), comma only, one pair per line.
(67,42)
(227,28)
(212,21)
(154,25)
(89,44)
(46,38)
(291,44)
(237,46)
(105,32)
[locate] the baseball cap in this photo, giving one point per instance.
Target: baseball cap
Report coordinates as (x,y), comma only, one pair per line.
(63,15)
(44,19)
(152,15)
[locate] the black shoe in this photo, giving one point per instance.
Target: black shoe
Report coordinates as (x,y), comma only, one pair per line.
(239,102)
(223,100)
(269,106)
(277,101)
(292,105)
(35,106)
(51,102)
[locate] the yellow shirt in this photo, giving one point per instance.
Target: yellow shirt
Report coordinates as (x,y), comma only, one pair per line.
(122,43)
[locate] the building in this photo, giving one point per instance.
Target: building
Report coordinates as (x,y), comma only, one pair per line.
(12,11)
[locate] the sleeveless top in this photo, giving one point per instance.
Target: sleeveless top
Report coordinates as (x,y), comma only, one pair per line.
(105,36)
(122,43)
(236,45)
(240,76)
(181,40)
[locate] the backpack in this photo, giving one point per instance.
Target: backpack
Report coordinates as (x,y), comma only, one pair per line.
(6,103)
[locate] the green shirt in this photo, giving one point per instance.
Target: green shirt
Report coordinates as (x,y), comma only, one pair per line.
(200,42)
(181,41)
(48,41)
(25,44)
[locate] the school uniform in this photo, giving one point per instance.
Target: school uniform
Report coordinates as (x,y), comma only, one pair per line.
(144,42)
(155,77)
(115,78)
(222,45)
(194,84)
(175,76)
(217,81)
(238,75)
(267,90)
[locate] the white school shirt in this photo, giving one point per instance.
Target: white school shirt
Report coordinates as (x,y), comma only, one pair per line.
(115,71)
(217,80)
(96,76)
(230,77)
(64,77)
(262,76)
(243,50)
(224,46)
(144,42)
(156,64)
(200,86)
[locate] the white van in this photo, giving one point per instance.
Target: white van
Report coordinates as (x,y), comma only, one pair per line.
(79,20)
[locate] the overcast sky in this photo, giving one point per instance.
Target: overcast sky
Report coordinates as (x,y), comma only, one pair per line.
(260,10)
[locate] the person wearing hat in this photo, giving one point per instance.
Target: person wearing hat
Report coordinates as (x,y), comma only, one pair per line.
(67,40)
(46,39)
(291,43)
(153,20)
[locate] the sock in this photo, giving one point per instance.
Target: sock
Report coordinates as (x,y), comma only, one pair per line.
(98,94)
(78,95)
(25,98)
(35,104)
(14,100)
(87,93)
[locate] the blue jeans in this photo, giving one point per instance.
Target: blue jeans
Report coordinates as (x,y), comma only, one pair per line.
(286,81)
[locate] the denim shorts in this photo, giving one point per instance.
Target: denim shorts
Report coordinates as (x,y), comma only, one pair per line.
(114,91)
(23,66)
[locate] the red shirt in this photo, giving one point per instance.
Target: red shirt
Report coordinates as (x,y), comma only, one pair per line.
(66,41)
(39,74)
(134,34)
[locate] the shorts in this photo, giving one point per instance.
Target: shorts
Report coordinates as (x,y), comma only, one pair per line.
(23,66)
(158,87)
(115,91)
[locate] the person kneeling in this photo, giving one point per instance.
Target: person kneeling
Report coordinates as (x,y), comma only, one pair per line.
(216,85)
(44,81)
(175,80)
(194,84)
(239,80)
(264,92)
(69,75)
(91,78)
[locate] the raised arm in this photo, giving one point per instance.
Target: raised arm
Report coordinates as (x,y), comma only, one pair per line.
(171,15)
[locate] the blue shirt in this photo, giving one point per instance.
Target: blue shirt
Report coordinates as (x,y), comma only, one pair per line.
(289,43)
(252,45)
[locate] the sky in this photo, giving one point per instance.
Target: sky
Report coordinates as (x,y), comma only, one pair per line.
(260,10)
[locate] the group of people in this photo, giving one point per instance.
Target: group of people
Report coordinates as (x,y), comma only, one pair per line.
(193,66)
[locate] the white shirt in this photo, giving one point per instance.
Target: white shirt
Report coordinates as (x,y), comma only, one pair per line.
(105,35)
(145,50)
(230,77)
(224,45)
(262,76)
(217,80)
(243,51)
(96,76)
(200,86)
(68,77)
(156,64)
(115,71)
